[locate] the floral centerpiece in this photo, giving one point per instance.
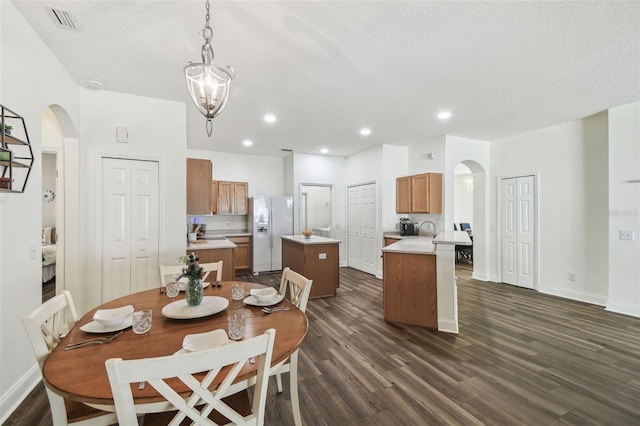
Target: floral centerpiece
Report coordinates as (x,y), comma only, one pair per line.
(194,273)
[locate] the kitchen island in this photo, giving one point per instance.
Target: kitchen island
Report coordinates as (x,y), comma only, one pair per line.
(317,258)
(419,285)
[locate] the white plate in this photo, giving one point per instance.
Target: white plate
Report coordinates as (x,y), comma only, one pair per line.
(180,310)
(202,341)
(183,285)
(96,327)
(252,301)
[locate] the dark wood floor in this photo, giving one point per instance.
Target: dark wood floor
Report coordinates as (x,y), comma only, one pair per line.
(521,358)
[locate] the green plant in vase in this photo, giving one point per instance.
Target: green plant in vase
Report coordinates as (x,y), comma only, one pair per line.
(7,129)
(194,273)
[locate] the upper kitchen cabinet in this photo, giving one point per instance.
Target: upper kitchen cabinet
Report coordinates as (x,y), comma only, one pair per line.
(419,193)
(199,177)
(403,194)
(231,198)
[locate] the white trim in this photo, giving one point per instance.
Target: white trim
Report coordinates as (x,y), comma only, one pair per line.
(577,295)
(377,232)
(18,392)
(623,308)
(447,325)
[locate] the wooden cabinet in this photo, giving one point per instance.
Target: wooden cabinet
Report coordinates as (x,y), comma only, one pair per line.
(390,240)
(242,253)
(230,197)
(403,194)
(419,193)
(426,193)
(198,186)
(410,289)
(214,255)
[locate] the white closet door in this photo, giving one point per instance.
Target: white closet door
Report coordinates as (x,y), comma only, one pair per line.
(129,226)
(144,225)
(509,234)
(525,231)
(517,230)
(354,196)
(370,250)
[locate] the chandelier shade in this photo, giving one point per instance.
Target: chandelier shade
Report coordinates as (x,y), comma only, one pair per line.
(208,84)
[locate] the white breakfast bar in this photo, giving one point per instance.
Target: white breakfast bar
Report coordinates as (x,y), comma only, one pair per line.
(419,280)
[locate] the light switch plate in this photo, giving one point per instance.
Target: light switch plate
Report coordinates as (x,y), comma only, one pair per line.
(122,135)
(322,255)
(626,235)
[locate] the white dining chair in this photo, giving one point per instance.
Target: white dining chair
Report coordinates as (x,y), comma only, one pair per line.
(174,270)
(45,327)
(299,289)
(189,368)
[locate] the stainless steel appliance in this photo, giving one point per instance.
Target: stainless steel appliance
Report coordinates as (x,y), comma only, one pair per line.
(270,217)
(407,228)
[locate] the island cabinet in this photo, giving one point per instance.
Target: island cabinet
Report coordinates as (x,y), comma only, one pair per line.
(317,258)
(409,289)
(214,255)
(419,193)
(199,174)
(229,197)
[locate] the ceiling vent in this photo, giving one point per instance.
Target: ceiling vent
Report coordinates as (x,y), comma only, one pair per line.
(63,18)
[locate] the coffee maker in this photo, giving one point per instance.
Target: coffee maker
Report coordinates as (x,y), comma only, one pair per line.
(407,228)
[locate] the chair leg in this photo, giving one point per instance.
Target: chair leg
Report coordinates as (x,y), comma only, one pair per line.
(279,382)
(293,387)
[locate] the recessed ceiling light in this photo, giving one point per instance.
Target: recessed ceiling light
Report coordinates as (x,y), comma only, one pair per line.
(270,118)
(247,142)
(444,115)
(365,131)
(324,150)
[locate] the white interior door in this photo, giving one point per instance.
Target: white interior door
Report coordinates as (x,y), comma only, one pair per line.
(362,249)
(354,254)
(130,226)
(368,229)
(518,231)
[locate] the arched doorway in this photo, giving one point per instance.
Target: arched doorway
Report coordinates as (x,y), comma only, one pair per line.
(60,139)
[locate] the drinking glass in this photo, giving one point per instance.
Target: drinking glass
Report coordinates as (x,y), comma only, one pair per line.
(237,323)
(173,288)
(142,321)
(237,291)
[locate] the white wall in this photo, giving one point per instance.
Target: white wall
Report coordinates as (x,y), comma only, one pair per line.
(156,130)
(571,162)
(24,58)
(49,182)
(463,199)
(624,209)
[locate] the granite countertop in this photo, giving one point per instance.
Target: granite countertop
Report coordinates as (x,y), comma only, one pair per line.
(314,239)
(411,244)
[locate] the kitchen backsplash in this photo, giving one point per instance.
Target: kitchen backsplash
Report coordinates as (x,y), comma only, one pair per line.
(221,222)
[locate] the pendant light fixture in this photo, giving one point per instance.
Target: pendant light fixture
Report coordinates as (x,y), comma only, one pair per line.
(208,84)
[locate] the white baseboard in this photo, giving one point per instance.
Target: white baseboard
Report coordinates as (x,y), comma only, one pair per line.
(567,293)
(447,325)
(479,277)
(18,392)
(623,308)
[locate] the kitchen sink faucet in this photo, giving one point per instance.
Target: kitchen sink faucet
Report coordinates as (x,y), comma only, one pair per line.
(433,225)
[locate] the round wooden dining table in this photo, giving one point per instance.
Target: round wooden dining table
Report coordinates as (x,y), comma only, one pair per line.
(80,374)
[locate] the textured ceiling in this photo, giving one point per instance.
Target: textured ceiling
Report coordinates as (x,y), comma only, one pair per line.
(328,68)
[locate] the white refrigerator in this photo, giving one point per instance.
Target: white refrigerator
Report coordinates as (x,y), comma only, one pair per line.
(271,217)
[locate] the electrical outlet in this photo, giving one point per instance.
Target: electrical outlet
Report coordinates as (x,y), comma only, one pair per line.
(322,256)
(572,276)
(625,235)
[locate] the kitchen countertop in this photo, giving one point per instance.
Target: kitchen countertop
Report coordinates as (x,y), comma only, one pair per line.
(411,244)
(459,238)
(314,239)
(211,244)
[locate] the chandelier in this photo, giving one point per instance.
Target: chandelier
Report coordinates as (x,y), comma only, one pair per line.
(208,84)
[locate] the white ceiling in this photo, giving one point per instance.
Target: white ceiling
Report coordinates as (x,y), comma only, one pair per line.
(328,68)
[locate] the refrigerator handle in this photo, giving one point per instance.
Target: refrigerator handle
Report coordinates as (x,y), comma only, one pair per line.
(271,228)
